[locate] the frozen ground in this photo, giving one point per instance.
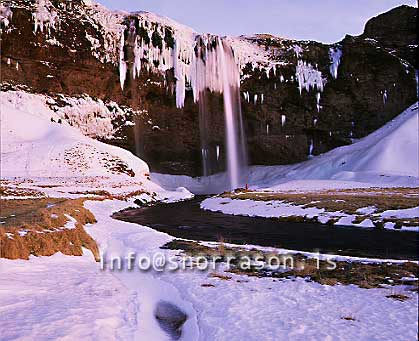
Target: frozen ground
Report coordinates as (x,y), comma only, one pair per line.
(63,297)
(277,208)
(70,297)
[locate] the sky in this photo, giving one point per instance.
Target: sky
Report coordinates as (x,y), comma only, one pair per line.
(322,20)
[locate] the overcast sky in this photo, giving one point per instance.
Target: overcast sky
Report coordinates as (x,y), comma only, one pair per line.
(322,20)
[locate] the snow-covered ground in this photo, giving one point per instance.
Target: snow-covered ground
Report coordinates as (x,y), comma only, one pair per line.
(277,208)
(120,304)
(63,297)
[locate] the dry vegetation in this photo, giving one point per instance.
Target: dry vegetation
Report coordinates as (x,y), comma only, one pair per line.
(343,200)
(37,227)
(398,297)
(6,191)
(347,201)
(365,275)
(32,223)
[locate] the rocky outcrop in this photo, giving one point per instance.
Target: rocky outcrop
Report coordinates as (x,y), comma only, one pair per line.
(298,97)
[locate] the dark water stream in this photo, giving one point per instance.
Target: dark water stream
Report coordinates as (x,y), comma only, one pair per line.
(187,220)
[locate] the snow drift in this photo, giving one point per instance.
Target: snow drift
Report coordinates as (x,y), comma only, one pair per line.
(387,156)
(34,144)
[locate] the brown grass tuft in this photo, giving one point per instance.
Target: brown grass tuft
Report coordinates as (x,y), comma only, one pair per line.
(219,276)
(36,227)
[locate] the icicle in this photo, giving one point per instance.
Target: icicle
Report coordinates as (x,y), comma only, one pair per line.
(180,78)
(310,151)
(308,77)
(267,129)
(255,99)
(43,17)
(283,119)
(315,122)
(298,50)
(262,99)
(17,66)
(122,63)
(385,97)
(334,54)
(318,101)
(281,78)
(137,59)
(8,61)
(217,150)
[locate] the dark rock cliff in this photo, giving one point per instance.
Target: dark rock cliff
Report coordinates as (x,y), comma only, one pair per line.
(375,82)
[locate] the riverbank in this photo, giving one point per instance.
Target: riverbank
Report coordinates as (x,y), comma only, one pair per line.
(188,221)
(381,208)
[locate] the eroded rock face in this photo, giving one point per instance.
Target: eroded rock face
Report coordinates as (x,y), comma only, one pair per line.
(79,54)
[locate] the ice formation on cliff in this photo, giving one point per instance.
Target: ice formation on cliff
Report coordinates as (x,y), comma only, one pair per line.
(44,16)
(335,53)
(308,77)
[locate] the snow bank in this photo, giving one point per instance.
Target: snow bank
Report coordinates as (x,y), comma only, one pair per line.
(253,208)
(281,209)
(34,146)
(117,238)
(63,297)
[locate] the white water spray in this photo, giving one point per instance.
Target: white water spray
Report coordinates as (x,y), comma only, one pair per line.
(228,69)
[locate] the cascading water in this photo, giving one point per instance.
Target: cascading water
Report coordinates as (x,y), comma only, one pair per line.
(216,69)
(229,73)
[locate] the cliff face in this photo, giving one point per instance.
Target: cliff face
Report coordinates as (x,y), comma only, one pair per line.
(298,97)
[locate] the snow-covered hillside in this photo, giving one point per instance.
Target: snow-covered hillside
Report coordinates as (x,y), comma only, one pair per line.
(34,144)
(387,156)
(55,159)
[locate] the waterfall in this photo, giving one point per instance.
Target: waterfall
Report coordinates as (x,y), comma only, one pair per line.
(206,65)
(227,69)
(215,69)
